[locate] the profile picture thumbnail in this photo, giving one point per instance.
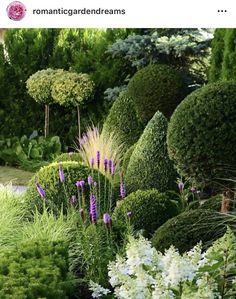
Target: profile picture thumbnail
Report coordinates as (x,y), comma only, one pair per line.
(16,10)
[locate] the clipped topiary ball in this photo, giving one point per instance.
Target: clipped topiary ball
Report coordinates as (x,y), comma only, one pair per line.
(149,166)
(68,157)
(122,121)
(126,158)
(187,229)
(201,135)
(156,87)
(59,194)
(150,209)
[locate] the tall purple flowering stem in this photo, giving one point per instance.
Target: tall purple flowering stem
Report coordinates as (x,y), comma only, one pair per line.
(107,220)
(122,187)
(61,174)
(98,157)
(110,164)
(93,209)
(105,162)
(40,190)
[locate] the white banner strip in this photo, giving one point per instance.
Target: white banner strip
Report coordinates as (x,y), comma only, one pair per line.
(118,14)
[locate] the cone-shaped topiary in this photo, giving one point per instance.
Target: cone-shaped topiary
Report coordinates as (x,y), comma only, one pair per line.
(218,45)
(126,158)
(149,166)
(156,87)
(122,122)
(201,135)
(189,228)
(149,210)
(55,194)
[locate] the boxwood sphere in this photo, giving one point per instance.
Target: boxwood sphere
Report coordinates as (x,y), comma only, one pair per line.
(202,134)
(123,122)
(68,157)
(189,228)
(150,209)
(58,194)
(156,87)
(149,165)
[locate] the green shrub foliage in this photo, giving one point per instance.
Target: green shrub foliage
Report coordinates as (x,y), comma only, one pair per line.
(201,135)
(36,270)
(213,203)
(150,209)
(156,87)
(217,55)
(59,194)
(122,121)
(126,158)
(188,228)
(223,55)
(68,157)
(149,166)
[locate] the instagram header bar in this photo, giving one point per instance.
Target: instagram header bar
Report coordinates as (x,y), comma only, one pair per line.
(116,14)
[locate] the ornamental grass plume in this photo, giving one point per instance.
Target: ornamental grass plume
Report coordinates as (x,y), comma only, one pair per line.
(94,149)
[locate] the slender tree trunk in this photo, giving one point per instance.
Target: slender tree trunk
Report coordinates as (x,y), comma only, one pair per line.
(227,201)
(79,126)
(46,124)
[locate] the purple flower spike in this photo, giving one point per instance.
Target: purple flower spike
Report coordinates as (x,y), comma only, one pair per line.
(73,200)
(93,209)
(129,215)
(181,186)
(193,189)
(105,162)
(113,171)
(77,184)
(107,220)
(122,187)
(110,164)
(82,184)
(95,184)
(90,180)
(61,174)
(40,190)
(92,162)
(98,156)
(81,211)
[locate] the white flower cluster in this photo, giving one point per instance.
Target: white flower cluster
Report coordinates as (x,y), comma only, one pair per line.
(147,274)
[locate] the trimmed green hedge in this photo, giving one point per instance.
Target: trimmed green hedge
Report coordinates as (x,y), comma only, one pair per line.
(68,157)
(149,166)
(201,135)
(36,270)
(187,229)
(58,194)
(150,209)
(122,121)
(156,87)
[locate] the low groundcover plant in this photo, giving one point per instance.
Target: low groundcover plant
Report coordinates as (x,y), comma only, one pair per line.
(145,273)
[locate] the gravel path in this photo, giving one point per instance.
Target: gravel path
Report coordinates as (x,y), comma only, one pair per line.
(20,189)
